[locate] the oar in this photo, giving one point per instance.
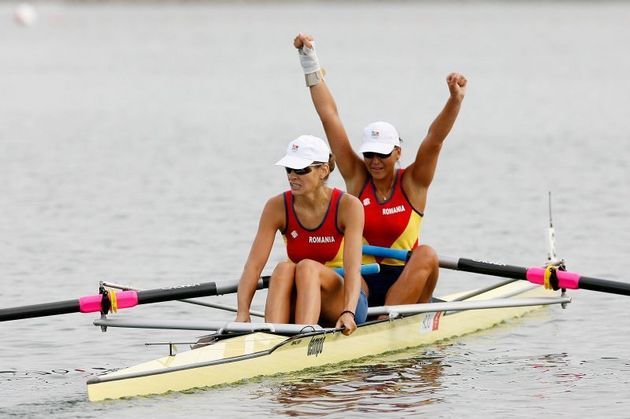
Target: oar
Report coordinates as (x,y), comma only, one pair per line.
(557,278)
(123,299)
(195,302)
(126,299)
(368,269)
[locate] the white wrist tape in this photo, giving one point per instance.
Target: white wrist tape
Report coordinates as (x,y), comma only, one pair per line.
(309,60)
(315,78)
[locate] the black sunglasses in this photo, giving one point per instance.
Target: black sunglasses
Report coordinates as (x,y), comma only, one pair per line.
(301,172)
(371,155)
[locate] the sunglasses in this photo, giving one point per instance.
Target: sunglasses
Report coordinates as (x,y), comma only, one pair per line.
(301,172)
(371,155)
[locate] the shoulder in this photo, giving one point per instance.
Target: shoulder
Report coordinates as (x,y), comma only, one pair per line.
(357,184)
(414,191)
(273,214)
(350,204)
(277,199)
(351,217)
(409,176)
(275,205)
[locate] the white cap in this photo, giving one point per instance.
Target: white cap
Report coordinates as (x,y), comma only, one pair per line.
(304,151)
(379,137)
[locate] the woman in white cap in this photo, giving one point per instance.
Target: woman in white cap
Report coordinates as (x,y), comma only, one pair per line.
(322,228)
(394,199)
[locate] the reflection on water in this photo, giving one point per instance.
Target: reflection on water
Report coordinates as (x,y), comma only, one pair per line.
(8,377)
(519,378)
(555,369)
(414,383)
(385,384)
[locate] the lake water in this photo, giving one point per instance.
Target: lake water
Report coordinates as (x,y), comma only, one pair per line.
(137,145)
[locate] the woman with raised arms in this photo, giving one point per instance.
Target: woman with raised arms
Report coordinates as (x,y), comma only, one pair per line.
(393,198)
(322,228)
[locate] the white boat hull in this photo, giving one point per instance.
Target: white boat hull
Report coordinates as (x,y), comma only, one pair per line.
(263,354)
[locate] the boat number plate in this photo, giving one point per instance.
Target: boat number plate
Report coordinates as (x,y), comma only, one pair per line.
(316,345)
(430,322)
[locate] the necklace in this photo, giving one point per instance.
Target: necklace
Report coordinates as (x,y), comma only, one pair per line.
(387,193)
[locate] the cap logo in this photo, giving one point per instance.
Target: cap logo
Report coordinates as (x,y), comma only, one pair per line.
(376,133)
(295,147)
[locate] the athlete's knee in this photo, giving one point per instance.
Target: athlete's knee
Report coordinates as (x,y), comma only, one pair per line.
(426,256)
(306,269)
(283,274)
(284,269)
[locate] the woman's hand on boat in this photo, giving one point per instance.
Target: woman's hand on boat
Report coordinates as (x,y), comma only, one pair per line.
(303,39)
(457,85)
(346,321)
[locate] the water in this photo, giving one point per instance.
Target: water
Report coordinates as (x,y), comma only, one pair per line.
(137,144)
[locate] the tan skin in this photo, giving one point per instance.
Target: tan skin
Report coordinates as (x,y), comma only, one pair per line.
(307,292)
(419,277)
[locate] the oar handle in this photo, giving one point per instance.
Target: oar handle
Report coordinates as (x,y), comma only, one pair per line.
(386,252)
(367,269)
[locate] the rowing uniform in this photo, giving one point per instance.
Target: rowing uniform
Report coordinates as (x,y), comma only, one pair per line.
(392,223)
(323,243)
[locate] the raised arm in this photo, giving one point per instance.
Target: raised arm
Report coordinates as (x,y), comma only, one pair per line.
(350,164)
(271,220)
(421,171)
(351,219)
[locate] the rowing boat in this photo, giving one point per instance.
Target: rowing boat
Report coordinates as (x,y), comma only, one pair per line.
(239,357)
(242,351)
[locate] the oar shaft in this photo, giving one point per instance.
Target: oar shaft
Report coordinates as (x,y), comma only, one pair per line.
(458,264)
(177,293)
(124,299)
(604,285)
(262,283)
(534,274)
(39,310)
(488,268)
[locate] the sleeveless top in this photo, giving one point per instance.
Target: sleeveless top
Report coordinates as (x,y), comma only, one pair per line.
(323,244)
(393,223)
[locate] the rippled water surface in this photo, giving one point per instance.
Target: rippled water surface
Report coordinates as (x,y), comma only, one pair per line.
(137,145)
